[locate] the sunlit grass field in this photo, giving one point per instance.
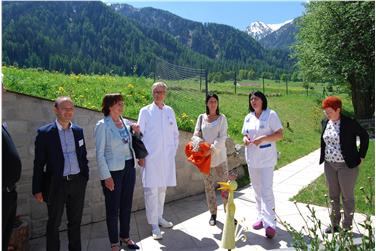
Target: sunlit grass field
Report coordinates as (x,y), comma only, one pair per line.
(301,112)
(271,87)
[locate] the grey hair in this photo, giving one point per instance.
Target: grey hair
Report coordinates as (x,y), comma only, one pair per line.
(61,99)
(158,84)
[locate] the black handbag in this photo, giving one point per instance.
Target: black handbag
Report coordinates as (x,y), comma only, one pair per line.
(137,144)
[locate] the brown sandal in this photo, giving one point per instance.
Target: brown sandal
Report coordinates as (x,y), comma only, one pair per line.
(115,247)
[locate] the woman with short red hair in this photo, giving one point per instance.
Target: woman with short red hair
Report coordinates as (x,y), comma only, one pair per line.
(342,159)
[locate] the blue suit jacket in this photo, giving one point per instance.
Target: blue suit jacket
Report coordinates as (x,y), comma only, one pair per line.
(49,159)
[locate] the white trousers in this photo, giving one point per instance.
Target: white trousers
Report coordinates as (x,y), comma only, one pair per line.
(154,203)
(262,183)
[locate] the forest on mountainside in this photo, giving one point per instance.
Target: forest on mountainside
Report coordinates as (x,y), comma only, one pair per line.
(91,38)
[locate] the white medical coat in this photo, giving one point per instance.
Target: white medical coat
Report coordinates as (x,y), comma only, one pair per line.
(161,139)
(261,156)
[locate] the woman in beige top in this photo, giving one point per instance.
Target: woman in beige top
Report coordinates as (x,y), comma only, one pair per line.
(212,128)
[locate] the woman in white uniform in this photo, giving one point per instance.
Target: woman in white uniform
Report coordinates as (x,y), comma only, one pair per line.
(261,129)
(161,138)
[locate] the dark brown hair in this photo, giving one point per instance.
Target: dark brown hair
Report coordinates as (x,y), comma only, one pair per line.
(211,95)
(259,95)
(109,100)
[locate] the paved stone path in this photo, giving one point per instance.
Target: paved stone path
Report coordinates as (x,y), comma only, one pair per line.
(190,216)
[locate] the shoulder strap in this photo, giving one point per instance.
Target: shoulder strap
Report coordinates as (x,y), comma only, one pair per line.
(125,127)
(202,133)
(200,125)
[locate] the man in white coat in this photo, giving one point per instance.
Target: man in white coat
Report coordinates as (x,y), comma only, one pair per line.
(161,138)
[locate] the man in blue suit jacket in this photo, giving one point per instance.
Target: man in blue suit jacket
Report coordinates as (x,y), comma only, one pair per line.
(11,173)
(60,173)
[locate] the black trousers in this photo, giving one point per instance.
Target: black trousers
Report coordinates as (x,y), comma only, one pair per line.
(72,195)
(9,215)
(119,201)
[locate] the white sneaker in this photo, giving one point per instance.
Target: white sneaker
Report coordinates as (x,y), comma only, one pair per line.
(166,224)
(156,233)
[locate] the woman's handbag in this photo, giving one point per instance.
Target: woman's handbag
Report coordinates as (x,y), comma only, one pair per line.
(137,144)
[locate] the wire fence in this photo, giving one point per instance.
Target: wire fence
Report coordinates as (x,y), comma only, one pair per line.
(187,88)
(276,88)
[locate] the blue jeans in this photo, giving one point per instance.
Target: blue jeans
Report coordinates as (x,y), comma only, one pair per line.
(119,201)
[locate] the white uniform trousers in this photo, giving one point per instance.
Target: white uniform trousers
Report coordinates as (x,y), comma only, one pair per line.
(154,203)
(262,183)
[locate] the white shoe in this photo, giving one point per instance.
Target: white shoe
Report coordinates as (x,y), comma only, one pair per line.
(156,233)
(166,224)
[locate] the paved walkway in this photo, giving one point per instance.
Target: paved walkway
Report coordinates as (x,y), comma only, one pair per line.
(190,216)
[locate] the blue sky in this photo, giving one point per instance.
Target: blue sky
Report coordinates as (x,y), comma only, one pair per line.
(238,14)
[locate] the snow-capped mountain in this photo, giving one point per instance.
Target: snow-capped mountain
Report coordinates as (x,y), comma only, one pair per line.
(282,38)
(259,30)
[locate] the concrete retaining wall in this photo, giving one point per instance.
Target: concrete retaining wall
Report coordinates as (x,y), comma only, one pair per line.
(24,115)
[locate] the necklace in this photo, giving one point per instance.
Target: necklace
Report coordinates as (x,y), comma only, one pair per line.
(212,117)
(118,123)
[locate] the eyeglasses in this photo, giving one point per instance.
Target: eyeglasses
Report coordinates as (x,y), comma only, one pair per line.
(255,99)
(66,109)
(160,92)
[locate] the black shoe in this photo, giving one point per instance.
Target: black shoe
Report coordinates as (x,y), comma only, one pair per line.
(330,230)
(129,243)
(213,220)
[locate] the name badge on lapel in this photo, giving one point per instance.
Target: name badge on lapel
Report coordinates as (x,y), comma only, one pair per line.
(80,142)
(263,123)
(170,121)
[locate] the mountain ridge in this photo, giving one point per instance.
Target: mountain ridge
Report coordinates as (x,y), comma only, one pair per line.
(216,41)
(283,38)
(90,37)
(258,29)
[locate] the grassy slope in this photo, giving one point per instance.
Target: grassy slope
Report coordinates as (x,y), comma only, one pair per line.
(302,112)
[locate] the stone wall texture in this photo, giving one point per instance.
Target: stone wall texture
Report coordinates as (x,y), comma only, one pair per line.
(25,114)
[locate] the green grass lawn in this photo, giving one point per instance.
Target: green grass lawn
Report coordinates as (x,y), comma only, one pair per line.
(273,87)
(314,193)
(301,112)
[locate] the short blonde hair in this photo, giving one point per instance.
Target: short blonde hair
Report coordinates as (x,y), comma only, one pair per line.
(158,84)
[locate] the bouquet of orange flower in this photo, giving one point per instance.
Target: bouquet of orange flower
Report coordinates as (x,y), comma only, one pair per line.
(198,153)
